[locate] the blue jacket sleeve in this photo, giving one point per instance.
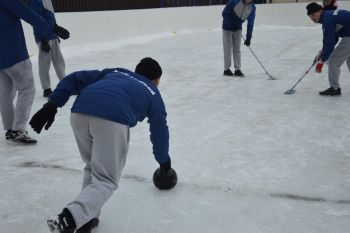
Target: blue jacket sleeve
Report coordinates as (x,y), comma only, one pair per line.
(50,18)
(329,38)
(159,131)
(19,9)
(72,84)
(250,24)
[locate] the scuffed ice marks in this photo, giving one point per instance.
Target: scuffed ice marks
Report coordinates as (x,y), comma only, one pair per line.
(287,196)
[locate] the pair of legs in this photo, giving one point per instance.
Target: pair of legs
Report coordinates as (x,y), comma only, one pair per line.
(55,57)
(16,79)
(103,146)
(232,48)
(340,54)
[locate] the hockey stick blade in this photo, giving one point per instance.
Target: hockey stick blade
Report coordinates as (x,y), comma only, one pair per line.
(289,92)
(272,78)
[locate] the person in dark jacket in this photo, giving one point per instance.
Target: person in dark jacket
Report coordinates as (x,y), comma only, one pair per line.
(335,25)
(332,5)
(16,74)
(234,14)
(49,46)
(109,102)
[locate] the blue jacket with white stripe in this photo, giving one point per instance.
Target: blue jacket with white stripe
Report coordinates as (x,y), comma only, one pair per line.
(13,47)
(235,13)
(335,25)
(121,96)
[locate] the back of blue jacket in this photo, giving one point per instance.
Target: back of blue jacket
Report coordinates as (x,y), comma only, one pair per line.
(120,96)
(335,24)
(12,42)
(235,13)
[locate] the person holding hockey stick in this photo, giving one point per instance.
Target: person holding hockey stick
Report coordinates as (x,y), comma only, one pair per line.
(109,102)
(16,75)
(234,14)
(335,25)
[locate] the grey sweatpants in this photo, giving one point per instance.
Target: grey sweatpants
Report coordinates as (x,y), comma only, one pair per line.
(232,47)
(16,79)
(340,54)
(55,56)
(103,146)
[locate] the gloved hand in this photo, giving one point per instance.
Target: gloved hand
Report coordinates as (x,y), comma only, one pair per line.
(44,117)
(247,41)
(165,177)
(45,46)
(319,67)
(165,167)
(61,32)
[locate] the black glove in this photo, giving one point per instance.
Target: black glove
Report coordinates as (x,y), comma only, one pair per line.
(165,177)
(247,42)
(61,32)
(165,167)
(45,46)
(44,117)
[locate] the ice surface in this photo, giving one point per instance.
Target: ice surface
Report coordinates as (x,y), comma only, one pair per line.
(250,159)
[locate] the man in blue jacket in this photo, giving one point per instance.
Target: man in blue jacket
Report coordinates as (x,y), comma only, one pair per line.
(234,14)
(49,46)
(335,25)
(109,102)
(16,69)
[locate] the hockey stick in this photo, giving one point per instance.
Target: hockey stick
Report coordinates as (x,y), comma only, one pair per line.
(292,91)
(268,74)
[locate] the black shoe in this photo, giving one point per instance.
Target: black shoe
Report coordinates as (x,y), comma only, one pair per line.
(63,223)
(87,228)
(331,91)
(20,136)
(228,72)
(8,134)
(238,73)
(47,92)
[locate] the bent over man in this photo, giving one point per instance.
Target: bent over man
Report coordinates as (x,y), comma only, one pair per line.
(335,25)
(109,102)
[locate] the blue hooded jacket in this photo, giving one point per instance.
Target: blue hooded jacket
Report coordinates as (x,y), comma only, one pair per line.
(121,96)
(335,24)
(38,7)
(13,47)
(235,13)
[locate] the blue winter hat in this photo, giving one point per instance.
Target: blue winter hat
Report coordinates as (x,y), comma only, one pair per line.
(149,68)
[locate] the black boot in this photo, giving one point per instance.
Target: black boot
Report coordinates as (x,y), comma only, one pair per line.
(63,223)
(228,72)
(238,73)
(87,228)
(331,91)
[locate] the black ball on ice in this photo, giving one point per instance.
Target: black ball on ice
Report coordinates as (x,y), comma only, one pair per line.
(165,180)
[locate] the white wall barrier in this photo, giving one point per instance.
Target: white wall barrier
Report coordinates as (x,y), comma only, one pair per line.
(106,26)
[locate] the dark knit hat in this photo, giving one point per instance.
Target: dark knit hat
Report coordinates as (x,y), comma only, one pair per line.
(149,68)
(313,8)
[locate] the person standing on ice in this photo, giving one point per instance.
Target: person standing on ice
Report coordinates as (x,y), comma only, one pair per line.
(335,25)
(109,102)
(16,75)
(49,46)
(332,5)
(234,14)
